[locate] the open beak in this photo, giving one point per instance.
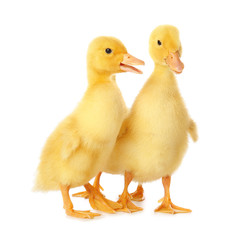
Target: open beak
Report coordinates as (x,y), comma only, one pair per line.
(129,60)
(174,62)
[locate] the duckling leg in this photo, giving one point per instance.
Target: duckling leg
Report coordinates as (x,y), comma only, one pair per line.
(125,200)
(96,185)
(167,206)
(138,194)
(99,202)
(68,206)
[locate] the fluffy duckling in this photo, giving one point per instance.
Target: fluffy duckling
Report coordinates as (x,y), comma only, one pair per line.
(156,131)
(81,144)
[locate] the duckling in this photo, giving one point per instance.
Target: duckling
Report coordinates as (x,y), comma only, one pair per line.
(157,128)
(81,144)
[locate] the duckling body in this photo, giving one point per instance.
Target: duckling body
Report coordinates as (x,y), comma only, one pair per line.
(157,135)
(89,142)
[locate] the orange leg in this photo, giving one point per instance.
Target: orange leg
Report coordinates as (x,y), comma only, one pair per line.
(96,185)
(138,194)
(124,199)
(99,202)
(68,206)
(167,206)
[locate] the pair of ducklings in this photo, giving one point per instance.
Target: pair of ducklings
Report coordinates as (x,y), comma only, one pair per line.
(101,135)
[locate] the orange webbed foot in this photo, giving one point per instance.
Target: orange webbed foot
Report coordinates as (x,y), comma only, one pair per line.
(99,202)
(138,195)
(125,198)
(68,205)
(127,205)
(83,194)
(168,207)
(81,214)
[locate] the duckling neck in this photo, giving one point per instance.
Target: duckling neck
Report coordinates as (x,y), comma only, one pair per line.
(96,77)
(163,73)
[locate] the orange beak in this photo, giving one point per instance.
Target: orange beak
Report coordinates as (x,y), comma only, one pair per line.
(174,62)
(131,60)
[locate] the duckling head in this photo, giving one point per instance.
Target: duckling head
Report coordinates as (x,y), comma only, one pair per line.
(165,47)
(107,56)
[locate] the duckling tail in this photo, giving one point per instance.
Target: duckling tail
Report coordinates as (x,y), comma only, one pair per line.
(193,130)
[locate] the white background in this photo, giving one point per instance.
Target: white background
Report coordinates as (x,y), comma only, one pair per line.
(43,76)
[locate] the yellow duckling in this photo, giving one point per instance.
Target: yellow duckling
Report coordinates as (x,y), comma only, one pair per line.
(81,144)
(155,134)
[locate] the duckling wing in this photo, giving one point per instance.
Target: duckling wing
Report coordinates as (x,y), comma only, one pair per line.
(70,143)
(193,130)
(69,137)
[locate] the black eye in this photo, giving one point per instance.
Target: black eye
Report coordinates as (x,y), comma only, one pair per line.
(159,43)
(108,50)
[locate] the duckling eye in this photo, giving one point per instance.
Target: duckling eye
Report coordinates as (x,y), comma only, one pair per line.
(159,43)
(108,50)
